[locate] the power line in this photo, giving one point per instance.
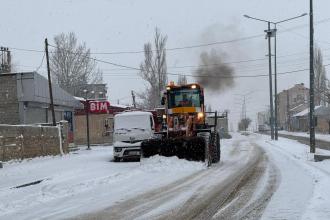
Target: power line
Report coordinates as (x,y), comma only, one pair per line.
(189,46)
(42,61)
(195,75)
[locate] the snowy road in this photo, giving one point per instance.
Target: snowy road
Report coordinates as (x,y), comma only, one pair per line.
(256,178)
(239,186)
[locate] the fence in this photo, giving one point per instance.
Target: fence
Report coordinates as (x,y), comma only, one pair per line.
(28,141)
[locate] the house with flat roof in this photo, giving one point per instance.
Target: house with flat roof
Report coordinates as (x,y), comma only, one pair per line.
(24,99)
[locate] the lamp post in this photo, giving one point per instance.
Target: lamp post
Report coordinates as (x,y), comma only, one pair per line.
(87,116)
(272,33)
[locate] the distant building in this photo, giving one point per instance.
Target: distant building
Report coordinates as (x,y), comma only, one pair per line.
(263,117)
(91,91)
(291,101)
(300,120)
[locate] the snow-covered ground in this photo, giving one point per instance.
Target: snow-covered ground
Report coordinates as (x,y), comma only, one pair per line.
(322,137)
(79,183)
(88,182)
(304,189)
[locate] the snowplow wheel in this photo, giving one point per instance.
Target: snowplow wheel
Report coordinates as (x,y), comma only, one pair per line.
(207,146)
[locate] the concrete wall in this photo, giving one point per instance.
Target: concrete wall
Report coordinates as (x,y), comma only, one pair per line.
(99,132)
(21,141)
(9,110)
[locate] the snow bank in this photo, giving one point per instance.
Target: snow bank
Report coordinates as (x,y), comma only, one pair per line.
(304,191)
(322,137)
(83,182)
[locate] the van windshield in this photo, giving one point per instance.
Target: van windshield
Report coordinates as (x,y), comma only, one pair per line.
(130,122)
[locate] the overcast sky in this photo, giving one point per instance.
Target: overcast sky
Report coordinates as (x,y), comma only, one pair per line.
(125,25)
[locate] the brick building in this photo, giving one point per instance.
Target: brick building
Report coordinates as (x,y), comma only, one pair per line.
(291,101)
(24,99)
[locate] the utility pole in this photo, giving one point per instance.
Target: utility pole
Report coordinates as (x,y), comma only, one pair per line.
(5,66)
(159,79)
(275,72)
(133,99)
(288,109)
(50,84)
(87,123)
(311,80)
(269,35)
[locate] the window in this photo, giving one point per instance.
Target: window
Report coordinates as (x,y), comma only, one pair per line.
(184,98)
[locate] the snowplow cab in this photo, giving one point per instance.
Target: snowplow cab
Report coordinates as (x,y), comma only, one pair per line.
(184,106)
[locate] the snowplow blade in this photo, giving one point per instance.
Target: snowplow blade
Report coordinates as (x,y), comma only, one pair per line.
(189,148)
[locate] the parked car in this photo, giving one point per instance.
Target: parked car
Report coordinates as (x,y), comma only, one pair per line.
(130,129)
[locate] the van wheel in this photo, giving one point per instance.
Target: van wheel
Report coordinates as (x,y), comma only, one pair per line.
(116,159)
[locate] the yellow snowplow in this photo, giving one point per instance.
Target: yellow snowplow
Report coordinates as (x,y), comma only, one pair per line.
(186,133)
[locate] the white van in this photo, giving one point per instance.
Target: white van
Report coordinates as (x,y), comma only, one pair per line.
(130,129)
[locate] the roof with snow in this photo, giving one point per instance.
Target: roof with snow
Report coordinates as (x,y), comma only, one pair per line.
(319,111)
(133,113)
(119,105)
(33,87)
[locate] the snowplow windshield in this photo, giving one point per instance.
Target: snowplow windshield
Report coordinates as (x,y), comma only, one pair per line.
(184,98)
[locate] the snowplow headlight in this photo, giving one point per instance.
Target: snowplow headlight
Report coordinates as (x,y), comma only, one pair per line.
(200,115)
(193,86)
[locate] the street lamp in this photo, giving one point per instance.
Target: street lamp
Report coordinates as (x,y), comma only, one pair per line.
(272,33)
(87,116)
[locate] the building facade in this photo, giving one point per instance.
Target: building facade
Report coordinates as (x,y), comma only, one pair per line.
(24,99)
(291,101)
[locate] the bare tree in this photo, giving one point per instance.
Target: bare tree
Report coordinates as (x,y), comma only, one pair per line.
(182,80)
(244,124)
(71,64)
(154,70)
(320,78)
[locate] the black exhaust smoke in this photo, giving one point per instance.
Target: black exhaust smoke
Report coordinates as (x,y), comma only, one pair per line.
(213,73)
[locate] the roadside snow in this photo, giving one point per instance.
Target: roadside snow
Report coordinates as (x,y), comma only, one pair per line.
(79,183)
(304,191)
(322,137)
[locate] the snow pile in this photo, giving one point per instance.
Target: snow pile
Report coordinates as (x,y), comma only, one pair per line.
(170,164)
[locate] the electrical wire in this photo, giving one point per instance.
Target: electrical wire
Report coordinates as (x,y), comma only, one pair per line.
(42,61)
(195,75)
(190,46)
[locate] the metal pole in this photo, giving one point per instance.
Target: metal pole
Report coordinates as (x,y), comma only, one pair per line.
(50,84)
(311,81)
(269,33)
(87,122)
(275,71)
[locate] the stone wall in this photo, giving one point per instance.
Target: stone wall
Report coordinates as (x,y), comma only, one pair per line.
(9,112)
(28,141)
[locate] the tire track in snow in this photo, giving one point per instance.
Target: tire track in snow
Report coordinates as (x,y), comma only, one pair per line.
(210,193)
